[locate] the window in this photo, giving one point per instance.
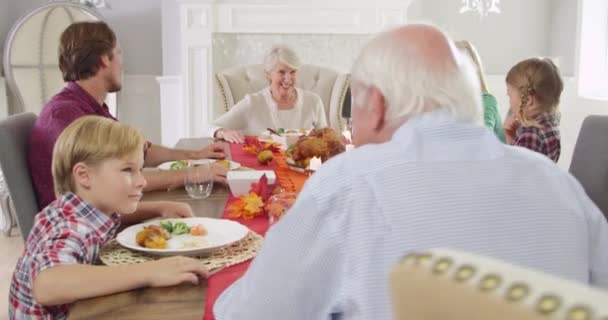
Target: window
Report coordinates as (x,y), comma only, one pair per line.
(593,50)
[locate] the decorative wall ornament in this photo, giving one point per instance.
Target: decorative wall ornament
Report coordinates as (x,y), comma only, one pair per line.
(481,7)
(96,4)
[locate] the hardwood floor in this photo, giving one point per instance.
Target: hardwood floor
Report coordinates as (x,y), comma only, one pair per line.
(10,249)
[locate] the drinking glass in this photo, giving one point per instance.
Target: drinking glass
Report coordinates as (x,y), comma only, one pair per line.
(199,180)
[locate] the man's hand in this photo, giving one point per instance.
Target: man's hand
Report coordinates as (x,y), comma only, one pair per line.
(212,151)
(170,209)
(231,136)
(173,271)
(219,173)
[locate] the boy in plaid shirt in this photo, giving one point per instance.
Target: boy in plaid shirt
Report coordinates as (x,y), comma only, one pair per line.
(534,87)
(97,164)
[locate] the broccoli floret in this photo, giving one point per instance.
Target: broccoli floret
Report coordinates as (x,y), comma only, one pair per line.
(167,225)
(180,228)
(178,165)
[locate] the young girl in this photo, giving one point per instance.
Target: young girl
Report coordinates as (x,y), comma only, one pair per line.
(491,117)
(534,87)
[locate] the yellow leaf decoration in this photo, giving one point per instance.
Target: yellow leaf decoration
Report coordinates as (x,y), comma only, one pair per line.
(246,206)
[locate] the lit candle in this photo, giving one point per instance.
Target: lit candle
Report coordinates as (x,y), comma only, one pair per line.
(315,164)
(347,135)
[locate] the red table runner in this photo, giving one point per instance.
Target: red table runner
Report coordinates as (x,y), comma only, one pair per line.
(288,179)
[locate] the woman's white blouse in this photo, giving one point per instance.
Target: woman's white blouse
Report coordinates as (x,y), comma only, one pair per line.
(258,111)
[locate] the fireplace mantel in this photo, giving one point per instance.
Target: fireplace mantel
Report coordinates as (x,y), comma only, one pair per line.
(186,97)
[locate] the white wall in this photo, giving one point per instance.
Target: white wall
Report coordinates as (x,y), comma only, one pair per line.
(170,43)
(138,104)
(564,34)
(519,32)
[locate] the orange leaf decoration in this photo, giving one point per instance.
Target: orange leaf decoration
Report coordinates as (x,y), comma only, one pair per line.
(253,203)
(246,206)
(254,146)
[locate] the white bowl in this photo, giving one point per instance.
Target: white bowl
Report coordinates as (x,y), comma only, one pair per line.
(240,181)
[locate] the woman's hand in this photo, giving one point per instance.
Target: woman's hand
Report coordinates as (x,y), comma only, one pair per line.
(232,136)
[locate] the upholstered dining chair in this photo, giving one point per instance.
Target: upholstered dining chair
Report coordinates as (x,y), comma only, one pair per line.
(453,285)
(234,83)
(590,160)
(14,139)
(31,56)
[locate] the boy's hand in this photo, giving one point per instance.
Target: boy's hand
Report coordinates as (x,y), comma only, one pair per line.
(170,209)
(173,271)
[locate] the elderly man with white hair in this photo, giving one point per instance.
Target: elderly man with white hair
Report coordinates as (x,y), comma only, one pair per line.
(280,105)
(424,175)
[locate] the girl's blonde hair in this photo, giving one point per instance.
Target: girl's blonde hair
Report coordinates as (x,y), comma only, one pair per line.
(91,140)
(539,78)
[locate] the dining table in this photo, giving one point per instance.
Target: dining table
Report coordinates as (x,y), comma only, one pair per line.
(194,301)
(176,302)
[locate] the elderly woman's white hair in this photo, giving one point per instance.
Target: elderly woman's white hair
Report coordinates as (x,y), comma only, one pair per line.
(281,54)
(413,83)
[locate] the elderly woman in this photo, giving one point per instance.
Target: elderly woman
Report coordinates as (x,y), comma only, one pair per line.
(280,105)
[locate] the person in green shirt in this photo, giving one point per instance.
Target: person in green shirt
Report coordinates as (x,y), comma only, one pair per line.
(491,116)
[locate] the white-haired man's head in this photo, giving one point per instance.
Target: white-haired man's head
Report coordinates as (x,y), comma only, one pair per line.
(408,71)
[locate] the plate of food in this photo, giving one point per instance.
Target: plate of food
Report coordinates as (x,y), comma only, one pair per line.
(175,165)
(186,236)
(267,136)
(229,165)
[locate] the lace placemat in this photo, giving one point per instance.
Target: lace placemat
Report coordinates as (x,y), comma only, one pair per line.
(113,254)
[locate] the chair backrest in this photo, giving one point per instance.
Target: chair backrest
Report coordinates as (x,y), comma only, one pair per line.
(234,83)
(31,61)
(453,285)
(14,139)
(590,160)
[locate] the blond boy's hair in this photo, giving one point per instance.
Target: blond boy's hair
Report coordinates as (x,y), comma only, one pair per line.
(91,140)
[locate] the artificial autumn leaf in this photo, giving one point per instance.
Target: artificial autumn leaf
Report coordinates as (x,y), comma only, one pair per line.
(252,145)
(236,209)
(263,188)
(253,205)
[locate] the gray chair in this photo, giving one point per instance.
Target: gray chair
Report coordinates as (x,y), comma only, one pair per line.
(14,139)
(590,160)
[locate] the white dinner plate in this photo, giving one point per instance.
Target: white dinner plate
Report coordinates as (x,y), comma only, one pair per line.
(167,165)
(221,233)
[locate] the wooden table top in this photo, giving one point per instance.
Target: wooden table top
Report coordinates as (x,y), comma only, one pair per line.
(178,302)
